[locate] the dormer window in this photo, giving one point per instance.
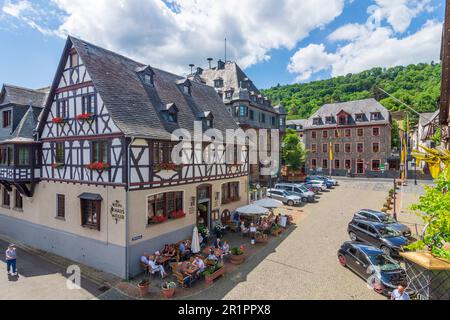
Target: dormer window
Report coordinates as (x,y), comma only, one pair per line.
(218,83)
(316,121)
(146,74)
(329,120)
(207,119)
(171,113)
(229,94)
(375,116)
(185,85)
(359,117)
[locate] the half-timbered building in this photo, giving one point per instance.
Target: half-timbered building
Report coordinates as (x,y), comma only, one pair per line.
(108,188)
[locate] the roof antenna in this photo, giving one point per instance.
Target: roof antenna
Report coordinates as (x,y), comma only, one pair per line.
(192,66)
(209,61)
(225,50)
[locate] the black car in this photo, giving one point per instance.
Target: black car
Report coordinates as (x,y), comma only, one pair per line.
(377,234)
(381,217)
(382,273)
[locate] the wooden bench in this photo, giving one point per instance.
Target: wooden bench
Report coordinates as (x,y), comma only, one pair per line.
(183,280)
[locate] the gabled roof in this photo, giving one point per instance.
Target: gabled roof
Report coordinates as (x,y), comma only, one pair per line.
(366,106)
(135,108)
(26,129)
(22,96)
(232,76)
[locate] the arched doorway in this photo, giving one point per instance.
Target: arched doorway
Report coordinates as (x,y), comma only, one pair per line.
(226,216)
(204,205)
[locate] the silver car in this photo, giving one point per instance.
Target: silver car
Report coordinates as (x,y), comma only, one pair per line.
(284,196)
(298,190)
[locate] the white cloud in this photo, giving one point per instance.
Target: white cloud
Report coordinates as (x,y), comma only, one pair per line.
(398,13)
(364,46)
(368,49)
(310,60)
(174,33)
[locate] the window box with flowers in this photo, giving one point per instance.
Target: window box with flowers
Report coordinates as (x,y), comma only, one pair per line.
(98,166)
(157,219)
(58,165)
(177,215)
(85,117)
(59,120)
(168,167)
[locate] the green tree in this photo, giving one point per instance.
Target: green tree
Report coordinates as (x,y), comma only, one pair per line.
(434,209)
(395,135)
(294,153)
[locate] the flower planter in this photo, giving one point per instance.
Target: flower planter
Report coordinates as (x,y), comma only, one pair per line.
(237,259)
(168,293)
(209,279)
(144,287)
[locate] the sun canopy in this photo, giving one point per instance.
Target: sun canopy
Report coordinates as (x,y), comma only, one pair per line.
(253,209)
(269,203)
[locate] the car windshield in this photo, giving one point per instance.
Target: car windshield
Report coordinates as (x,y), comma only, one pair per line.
(388,219)
(384,262)
(388,232)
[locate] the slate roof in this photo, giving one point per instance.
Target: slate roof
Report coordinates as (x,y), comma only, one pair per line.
(135,108)
(23,96)
(366,107)
(232,76)
(24,132)
(299,122)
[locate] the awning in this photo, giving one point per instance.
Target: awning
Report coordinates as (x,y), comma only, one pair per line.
(253,210)
(90,196)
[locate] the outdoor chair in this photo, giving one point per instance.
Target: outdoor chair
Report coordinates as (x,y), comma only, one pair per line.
(184,281)
(145,268)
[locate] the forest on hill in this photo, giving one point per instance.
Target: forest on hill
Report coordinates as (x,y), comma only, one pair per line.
(416,85)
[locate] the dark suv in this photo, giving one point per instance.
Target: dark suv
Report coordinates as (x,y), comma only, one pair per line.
(377,234)
(381,217)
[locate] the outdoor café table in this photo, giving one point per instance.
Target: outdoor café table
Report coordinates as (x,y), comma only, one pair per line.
(217,252)
(191,270)
(163,260)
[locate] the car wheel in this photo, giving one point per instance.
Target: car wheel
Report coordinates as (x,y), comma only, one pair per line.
(290,203)
(353,236)
(386,250)
(304,199)
(342,260)
(377,286)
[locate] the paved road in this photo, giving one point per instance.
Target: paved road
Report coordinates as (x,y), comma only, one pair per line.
(39,279)
(303,265)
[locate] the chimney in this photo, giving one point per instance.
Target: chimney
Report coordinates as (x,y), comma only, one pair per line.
(220,65)
(209,62)
(192,66)
(199,70)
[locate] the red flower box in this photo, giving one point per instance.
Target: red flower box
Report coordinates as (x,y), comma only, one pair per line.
(84,117)
(177,214)
(58,120)
(168,167)
(158,219)
(98,166)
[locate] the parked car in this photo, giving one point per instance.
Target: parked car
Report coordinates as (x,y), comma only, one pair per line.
(327,183)
(331,181)
(382,272)
(284,196)
(377,234)
(381,217)
(298,190)
(318,185)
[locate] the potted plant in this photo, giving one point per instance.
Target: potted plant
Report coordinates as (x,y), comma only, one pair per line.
(237,255)
(144,286)
(168,289)
(213,273)
(58,120)
(98,166)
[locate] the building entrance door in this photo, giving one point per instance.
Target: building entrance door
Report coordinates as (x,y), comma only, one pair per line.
(204,206)
(360,167)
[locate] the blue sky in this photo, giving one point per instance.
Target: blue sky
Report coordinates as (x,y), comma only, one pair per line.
(276,43)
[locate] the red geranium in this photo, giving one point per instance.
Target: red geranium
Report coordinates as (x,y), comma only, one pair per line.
(58,120)
(84,117)
(99,166)
(159,219)
(178,214)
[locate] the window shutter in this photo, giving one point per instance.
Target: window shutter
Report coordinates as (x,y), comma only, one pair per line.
(98,206)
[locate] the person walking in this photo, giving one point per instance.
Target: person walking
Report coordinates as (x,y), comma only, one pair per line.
(11,260)
(400,294)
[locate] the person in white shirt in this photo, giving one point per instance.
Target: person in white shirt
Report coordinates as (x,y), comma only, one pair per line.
(200,264)
(154,267)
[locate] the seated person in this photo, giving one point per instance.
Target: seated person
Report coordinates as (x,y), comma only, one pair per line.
(154,267)
(225,248)
(218,243)
(212,256)
(188,245)
(244,229)
(200,264)
(165,251)
(144,259)
(184,251)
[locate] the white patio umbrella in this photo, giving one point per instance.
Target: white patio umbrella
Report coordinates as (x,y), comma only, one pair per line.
(195,245)
(252,209)
(269,203)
